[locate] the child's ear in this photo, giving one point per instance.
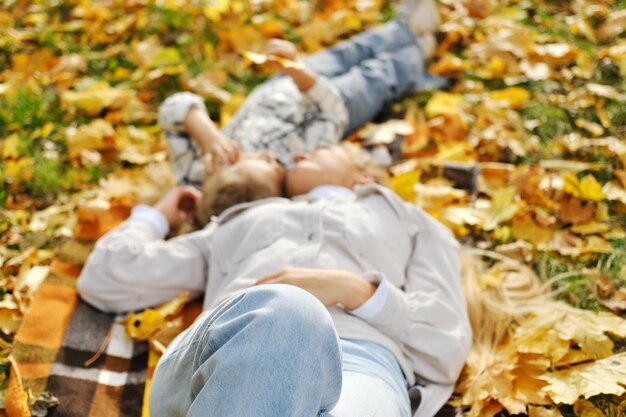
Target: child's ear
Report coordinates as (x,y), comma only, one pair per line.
(362,179)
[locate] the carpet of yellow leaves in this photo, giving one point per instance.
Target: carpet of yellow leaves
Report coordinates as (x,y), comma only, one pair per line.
(523,156)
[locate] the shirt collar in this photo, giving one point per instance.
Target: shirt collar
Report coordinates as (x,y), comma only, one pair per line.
(330,192)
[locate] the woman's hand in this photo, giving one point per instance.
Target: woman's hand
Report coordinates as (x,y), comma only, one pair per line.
(330,286)
(179,204)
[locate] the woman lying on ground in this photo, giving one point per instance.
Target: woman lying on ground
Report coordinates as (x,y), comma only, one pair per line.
(330,304)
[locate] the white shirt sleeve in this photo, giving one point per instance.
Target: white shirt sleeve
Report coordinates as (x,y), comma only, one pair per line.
(174,109)
(153,217)
(375,304)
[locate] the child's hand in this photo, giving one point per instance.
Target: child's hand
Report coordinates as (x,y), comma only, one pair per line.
(179,204)
(221,151)
(281,48)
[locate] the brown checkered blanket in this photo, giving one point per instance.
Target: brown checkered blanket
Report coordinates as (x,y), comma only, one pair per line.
(57,339)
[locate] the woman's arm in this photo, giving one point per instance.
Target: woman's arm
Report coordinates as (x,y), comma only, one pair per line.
(132,267)
(330,286)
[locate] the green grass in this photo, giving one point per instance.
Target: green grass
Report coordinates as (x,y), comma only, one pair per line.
(554,121)
(49,177)
(579,290)
(29,110)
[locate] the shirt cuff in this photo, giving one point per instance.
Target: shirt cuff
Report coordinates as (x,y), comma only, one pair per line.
(174,109)
(375,304)
(153,217)
(323,92)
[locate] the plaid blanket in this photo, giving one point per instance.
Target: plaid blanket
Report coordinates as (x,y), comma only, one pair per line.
(57,339)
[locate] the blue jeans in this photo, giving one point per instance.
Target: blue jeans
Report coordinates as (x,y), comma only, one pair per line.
(373,68)
(272,351)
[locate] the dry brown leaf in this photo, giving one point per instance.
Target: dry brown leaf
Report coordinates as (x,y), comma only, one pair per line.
(16,396)
(420,137)
(529,185)
(98,217)
(609,295)
(573,210)
(566,243)
(205,86)
(385,133)
(613,25)
(447,64)
(534,411)
(620,174)
(526,227)
(495,175)
(584,408)
(448,128)
(519,250)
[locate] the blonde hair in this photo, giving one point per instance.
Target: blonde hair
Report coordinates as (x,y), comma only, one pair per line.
(365,163)
(227,188)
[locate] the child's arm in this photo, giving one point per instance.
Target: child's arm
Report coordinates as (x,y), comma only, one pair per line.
(216,147)
(186,113)
(301,75)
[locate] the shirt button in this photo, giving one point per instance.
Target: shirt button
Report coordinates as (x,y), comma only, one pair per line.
(311,236)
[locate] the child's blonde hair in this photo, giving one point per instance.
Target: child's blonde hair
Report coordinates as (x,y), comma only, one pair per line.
(227,188)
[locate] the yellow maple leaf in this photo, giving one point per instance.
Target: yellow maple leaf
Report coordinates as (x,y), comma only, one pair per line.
(97,135)
(230,108)
(516,97)
(591,228)
(604,376)
(525,227)
(592,340)
(95,98)
(444,104)
(586,189)
(143,325)
(11,147)
(404,184)
(503,207)
(585,328)
(149,322)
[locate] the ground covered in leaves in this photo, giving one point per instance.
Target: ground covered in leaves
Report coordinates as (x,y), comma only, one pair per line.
(535,112)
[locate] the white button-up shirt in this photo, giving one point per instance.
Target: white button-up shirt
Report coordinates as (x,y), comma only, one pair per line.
(423,319)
